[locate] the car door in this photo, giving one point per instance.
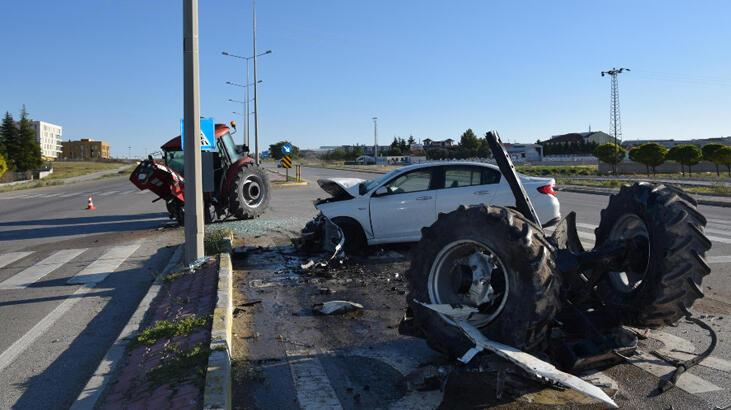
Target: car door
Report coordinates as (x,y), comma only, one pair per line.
(466,185)
(407,205)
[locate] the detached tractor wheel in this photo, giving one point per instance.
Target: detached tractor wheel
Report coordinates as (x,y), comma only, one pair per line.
(490,258)
(250,192)
(665,280)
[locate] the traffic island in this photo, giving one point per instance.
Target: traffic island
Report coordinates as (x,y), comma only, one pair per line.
(281,179)
(179,358)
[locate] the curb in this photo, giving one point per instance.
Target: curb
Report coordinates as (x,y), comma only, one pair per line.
(95,387)
(608,191)
(367,171)
(217,393)
(303,182)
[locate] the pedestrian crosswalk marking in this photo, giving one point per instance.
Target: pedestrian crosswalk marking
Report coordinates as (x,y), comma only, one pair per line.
(39,270)
(8,258)
(98,270)
(718,259)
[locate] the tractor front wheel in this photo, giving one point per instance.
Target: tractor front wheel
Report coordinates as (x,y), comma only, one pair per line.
(249,195)
(492,259)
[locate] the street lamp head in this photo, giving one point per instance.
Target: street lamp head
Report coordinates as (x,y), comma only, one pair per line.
(224,53)
(268,52)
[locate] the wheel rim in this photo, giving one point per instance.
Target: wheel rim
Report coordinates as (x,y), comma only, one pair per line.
(629,226)
(252,192)
(469,273)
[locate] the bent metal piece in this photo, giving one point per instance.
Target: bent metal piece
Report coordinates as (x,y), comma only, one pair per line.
(527,362)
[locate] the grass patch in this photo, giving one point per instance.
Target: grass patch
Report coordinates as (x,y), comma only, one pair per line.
(67,169)
(29,185)
(180,365)
(165,329)
(545,170)
(215,241)
(592,183)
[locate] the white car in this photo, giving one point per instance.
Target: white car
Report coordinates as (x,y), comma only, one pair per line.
(395,206)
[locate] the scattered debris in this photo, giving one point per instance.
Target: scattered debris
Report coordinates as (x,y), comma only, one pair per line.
(193,266)
(427,378)
(325,291)
(531,364)
(258,283)
(336,307)
(251,302)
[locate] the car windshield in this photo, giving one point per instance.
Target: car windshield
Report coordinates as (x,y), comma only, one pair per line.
(372,183)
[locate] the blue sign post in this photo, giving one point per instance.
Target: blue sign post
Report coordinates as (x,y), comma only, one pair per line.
(286,148)
(208,135)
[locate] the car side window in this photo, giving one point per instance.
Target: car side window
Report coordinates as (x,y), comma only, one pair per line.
(456,177)
(490,176)
(413,181)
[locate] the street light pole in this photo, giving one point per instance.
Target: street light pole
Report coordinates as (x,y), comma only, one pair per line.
(375,140)
(192,131)
(256,100)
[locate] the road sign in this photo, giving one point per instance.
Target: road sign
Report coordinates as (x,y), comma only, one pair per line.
(286,162)
(208,134)
(286,149)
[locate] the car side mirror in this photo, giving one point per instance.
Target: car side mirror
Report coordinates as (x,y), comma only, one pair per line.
(381,191)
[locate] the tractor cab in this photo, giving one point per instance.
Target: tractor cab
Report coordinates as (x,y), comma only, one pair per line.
(225,154)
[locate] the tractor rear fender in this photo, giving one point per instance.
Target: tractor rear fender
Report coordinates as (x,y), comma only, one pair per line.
(231,173)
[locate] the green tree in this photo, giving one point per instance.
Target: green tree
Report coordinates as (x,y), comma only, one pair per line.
(723,156)
(9,139)
(687,155)
(709,152)
(3,165)
(411,141)
(28,156)
(650,155)
(610,154)
(469,144)
(275,150)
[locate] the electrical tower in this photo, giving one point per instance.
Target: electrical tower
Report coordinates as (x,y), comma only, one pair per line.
(615,122)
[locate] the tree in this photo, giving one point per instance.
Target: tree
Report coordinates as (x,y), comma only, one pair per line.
(674,155)
(610,154)
(469,143)
(411,141)
(650,155)
(275,150)
(9,139)
(723,156)
(687,155)
(28,156)
(709,152)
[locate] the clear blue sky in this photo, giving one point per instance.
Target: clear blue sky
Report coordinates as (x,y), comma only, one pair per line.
(113,69)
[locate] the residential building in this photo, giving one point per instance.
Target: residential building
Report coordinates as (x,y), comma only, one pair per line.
(429,143)
(48,137)
(85,149)
(525,152)
(596,137)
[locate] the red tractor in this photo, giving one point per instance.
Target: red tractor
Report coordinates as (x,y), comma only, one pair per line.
(234,185)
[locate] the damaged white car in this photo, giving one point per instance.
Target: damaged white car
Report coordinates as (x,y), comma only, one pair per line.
(395,206)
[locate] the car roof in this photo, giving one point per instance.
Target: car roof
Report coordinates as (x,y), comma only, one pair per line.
(446,163)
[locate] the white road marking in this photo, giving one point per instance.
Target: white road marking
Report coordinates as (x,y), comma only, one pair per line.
(142,192)
(128,192)
(98,270)
(52,195)
(718,259)
(681,349)
(311,383)
(8,258)
(718,231)
(687,381)
(718,239)
(71,194)
(720,222)
(19,346)
(39,270)
(108,193)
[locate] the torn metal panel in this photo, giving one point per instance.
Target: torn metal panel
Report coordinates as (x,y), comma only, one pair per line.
(335,307)
(527,362)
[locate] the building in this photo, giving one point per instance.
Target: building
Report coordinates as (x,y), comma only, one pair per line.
(596,137)
(84,149)
(525,152)
(428,143)
(669,143)
(48,137)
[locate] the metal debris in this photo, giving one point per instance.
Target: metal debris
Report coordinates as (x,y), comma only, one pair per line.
(336,307)
(538,368)
(193,266)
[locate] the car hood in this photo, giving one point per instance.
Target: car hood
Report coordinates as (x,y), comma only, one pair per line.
(340,188)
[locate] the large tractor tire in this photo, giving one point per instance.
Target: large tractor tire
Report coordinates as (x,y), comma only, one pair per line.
(449,262)
(659,289)
(250,192)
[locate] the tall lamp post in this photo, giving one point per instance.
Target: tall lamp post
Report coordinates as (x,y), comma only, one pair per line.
(192,130)
(246,86)
(375,140)
(246,118)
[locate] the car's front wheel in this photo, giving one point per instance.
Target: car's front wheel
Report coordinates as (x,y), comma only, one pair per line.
(355,239)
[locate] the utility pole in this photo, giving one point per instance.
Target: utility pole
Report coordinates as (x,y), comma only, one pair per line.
(375,140)
(615,123)
(192,132)
(256,100)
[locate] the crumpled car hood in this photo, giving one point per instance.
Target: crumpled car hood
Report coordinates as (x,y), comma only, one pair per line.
(340,188)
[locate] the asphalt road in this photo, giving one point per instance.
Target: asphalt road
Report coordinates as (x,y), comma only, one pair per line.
(277,347)
(69,280)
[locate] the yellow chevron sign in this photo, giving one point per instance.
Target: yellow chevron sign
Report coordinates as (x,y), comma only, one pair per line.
(286,161)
